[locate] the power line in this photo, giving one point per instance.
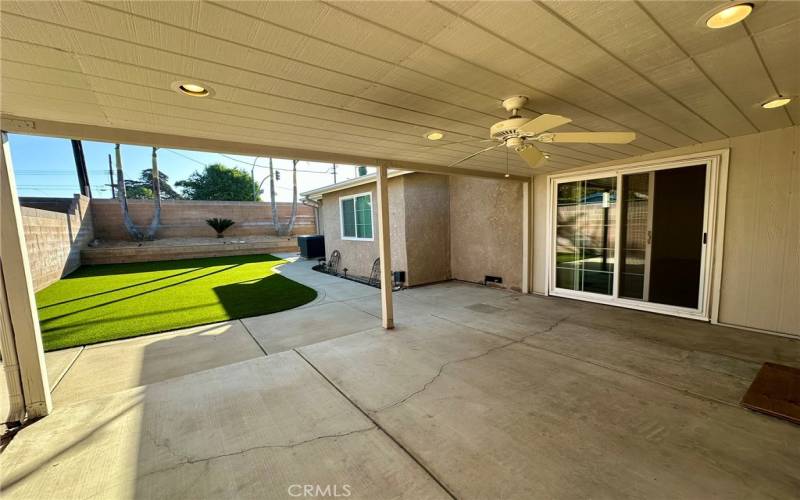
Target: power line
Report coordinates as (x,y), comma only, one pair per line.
(276,168)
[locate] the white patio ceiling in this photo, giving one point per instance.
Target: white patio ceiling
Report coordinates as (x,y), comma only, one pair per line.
(370,78)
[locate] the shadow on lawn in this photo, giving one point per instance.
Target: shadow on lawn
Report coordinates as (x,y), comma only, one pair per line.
(118,289)
(44,322)
(274,293)
(167,265)
(71,328)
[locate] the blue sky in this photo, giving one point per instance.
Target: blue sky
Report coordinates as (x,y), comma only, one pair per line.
(44,166)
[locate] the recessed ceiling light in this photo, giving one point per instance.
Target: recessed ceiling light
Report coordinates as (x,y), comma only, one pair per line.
(776,103)
(194,89)
(728,16)
(434,136)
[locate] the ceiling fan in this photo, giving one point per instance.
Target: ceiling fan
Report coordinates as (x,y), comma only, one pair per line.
(519,133)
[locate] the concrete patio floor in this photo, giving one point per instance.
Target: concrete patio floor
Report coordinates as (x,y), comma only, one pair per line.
(478,393)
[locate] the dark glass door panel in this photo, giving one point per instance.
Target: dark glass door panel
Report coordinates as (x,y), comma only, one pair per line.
(677,243)
(661,236)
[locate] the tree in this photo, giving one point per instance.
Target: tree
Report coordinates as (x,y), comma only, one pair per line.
(218,182)
(133,231)
(155,178)
(142,189)
(136,190)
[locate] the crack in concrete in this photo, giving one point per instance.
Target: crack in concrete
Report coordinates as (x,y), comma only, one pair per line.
(613,368)
(461,360)
(187,460)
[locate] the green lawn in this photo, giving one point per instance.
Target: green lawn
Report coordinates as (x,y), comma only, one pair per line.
(99,303)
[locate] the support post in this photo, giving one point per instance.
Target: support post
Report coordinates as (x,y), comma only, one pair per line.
(526,220)
(80,166)
(21,321)
(387,310)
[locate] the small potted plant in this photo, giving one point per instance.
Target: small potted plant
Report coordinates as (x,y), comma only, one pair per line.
(220,225)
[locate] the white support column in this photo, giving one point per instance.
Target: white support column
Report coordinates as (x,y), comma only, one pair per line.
(19,306)
(526,247)
(387,310)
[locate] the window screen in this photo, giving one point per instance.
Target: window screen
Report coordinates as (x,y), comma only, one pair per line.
(357,217)
(364,217)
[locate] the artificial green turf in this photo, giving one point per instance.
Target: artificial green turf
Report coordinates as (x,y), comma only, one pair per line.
(99,303)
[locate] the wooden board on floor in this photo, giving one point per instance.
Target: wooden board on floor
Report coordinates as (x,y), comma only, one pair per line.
(775,391)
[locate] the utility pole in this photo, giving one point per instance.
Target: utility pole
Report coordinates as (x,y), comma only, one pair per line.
(334,173)
(111,178)
(253,176)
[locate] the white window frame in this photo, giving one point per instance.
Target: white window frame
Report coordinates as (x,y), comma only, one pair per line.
(371,217)
(716,163)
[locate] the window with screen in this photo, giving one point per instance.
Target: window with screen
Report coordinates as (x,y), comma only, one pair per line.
(356,215)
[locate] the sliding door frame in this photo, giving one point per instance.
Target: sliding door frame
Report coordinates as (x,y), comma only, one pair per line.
(716,163)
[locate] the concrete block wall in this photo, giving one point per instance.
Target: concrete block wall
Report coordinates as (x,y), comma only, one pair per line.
(187,219)
(54,239)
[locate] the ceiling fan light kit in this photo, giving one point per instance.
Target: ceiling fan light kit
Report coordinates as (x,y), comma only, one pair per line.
(518,133)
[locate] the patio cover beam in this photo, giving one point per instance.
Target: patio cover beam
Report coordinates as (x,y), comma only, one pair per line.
(384,244)
(19,319)
(22,125)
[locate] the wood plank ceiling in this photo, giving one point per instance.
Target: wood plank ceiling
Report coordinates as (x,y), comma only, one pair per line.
(371,78)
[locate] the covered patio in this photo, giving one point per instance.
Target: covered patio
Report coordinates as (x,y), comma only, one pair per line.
(560,352)
(476,393)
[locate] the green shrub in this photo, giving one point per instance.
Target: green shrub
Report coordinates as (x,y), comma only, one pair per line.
(219,225)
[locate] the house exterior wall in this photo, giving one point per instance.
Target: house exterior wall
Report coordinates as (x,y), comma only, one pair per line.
(54,240)
(760,276)
(486,230)
(441,227)
(187,219)
(358,255)
(427,228)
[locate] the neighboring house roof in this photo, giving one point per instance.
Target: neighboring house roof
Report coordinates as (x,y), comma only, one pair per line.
(316,194)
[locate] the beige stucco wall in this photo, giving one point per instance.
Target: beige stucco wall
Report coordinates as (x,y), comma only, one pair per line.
(486,229)
(760,275)
(427,228)
(358,256)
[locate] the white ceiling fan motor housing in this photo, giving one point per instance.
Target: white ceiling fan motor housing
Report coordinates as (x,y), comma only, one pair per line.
(507,129)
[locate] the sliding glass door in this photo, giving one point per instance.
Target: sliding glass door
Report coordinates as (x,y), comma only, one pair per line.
(585,231)
(633,238)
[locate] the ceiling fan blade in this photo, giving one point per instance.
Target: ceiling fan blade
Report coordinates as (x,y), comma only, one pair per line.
(440,144)
(476,154)
(591,137)
(531,155)
(543,123)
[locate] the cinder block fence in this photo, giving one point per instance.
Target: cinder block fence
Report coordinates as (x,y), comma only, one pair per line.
(55,238)
(187,219)
(57,229)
